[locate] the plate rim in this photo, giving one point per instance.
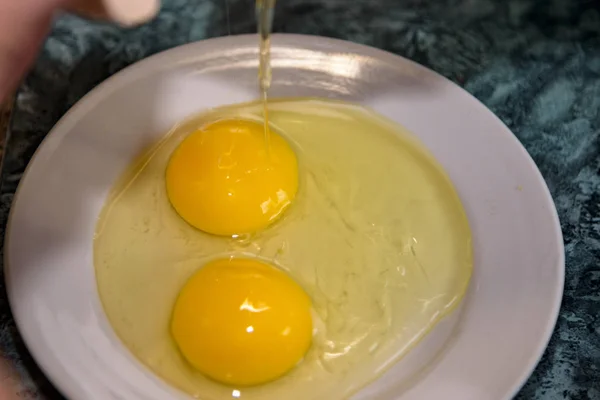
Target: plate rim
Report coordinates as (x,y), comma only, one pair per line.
(86,102)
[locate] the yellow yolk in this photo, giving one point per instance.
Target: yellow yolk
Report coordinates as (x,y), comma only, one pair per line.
(242,322)
(221,179)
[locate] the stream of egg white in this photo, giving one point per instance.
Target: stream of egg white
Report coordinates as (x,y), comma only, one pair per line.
(265,10)
(377,237)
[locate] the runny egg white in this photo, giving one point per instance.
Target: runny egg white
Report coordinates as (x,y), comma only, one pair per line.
(300,270)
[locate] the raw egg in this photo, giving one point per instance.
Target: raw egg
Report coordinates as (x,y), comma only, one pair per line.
(242,322)
(225,180)
(374,249)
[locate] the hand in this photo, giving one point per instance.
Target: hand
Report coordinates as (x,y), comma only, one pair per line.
(25,23)
(8,383)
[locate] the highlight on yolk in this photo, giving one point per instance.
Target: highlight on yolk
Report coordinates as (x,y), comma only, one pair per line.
(242,322)
(221,179)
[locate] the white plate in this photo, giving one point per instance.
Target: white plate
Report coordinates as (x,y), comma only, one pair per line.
(486,351)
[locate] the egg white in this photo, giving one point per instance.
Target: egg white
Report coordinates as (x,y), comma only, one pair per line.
(377,237)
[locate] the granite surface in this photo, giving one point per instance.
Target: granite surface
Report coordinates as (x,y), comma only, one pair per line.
(534,63)
(5,111)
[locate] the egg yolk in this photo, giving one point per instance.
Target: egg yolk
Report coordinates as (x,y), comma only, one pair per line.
(223,179)
(242,322)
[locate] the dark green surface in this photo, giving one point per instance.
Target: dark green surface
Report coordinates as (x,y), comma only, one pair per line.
(536,64)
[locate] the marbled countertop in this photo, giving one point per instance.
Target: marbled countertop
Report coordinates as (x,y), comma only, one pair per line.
(534,63)
(5,111)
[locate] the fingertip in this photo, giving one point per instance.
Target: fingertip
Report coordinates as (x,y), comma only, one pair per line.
(131,12)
